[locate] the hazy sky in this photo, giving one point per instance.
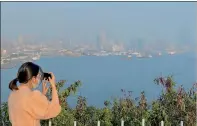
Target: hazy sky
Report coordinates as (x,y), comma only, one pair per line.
(84,21)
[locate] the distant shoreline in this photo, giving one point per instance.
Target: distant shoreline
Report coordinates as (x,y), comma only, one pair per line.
(14,63)
(10,65)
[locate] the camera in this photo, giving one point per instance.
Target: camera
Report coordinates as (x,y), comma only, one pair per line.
(46,76)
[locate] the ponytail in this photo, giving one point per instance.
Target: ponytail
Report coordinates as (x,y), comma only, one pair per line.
(13,84)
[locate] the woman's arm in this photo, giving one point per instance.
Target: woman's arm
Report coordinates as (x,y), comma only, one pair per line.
(39,107)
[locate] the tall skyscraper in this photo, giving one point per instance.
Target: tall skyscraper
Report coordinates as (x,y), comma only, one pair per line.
(20,40)
(101,41)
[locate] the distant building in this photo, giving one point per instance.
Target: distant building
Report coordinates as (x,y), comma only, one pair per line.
(20,40)
(101,41)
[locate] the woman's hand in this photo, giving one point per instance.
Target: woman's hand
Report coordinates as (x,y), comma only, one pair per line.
(44,87)
(52,80)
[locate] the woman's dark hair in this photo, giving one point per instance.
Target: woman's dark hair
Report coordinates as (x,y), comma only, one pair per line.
(25,73)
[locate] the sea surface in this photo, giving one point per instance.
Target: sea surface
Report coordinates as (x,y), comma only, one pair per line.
(104,77)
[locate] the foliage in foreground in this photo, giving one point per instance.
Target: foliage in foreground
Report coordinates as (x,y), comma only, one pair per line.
(172,106)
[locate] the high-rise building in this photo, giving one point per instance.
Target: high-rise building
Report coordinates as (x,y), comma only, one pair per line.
(101,41)
(20,40)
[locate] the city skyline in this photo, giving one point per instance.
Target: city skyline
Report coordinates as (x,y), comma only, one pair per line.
(151,23)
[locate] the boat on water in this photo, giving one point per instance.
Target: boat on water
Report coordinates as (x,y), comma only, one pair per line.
(150,56)
(171,52)
(159,54)
(36,57)
(129,56)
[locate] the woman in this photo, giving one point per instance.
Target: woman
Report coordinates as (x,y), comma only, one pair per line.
(27,106)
